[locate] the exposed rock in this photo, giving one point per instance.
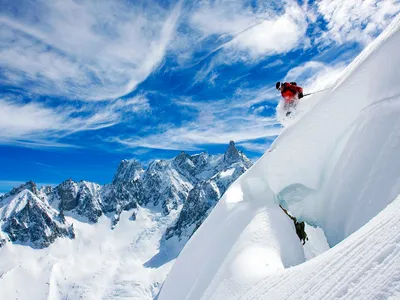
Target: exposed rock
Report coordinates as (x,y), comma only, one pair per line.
(184,165)
(84,198)
(67,192)
(206,193)
(164,186)
(29,220)
(201,199)
(232,154)
(30,186)
(128,171)
(89,201)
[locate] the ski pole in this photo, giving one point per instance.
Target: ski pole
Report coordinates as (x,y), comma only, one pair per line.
(316,92)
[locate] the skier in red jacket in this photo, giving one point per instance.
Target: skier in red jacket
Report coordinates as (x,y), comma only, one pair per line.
(291,92)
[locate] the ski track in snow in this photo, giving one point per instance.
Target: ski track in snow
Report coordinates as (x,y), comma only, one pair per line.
(364,266)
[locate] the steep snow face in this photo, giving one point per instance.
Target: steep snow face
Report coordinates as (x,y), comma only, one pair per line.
(362,185)
(345,149)
(323,132)
(364,266)
(335,167)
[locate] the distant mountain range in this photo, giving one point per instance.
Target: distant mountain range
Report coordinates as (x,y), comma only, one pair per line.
(188,186)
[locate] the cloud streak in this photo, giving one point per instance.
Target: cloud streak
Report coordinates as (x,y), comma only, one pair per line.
(63,47)
(355,20)
(248,33)
(33,124)
(215,122)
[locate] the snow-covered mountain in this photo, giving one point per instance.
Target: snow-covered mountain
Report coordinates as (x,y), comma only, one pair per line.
(206,193)
(25,217)
(338,168)
(128,221)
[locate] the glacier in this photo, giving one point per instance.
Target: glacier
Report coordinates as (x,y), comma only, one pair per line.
(336,167)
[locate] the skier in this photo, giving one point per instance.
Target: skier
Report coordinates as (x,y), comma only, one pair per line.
(291,92)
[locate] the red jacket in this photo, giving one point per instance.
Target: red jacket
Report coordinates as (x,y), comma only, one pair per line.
(290,92)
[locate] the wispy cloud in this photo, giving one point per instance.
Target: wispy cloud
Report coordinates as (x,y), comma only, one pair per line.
(215,122)
(275,63)
(252,32)
(355,20)
(255,146)
(241,33)
(82,49)
(32,124)
(315,75)
(193,137)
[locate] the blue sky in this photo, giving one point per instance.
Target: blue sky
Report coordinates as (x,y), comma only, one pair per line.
(84,84)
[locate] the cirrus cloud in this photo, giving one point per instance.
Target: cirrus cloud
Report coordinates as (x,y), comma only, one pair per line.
(355,20)
(83,50)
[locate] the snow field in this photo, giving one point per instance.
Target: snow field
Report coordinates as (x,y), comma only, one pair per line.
(93,266)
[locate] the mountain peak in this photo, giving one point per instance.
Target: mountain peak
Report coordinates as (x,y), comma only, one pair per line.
(30,186)
(232,153)
(182,156)
(128,170)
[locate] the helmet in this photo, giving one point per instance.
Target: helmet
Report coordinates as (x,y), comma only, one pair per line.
(278,85)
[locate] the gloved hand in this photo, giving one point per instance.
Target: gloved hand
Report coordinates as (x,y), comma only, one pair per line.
(300,95)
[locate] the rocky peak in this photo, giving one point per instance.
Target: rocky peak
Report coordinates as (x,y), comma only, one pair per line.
(183,157)
(66,184)
(232,154)
(29,220)
(163,185)
(184,164)
(128,170)
(47,190)
(207,192)
(200,160)
(67,193)
(30,186)
(83,198)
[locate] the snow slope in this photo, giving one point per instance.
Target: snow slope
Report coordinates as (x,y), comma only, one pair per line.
(97,264)
(336,167)
(364,266)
